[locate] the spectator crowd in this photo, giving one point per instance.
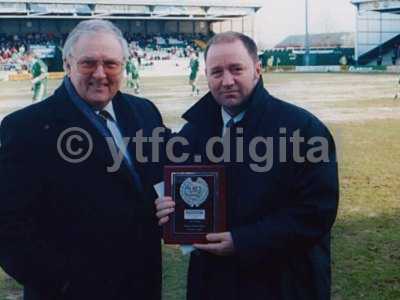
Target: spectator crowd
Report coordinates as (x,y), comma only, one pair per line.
(145,48)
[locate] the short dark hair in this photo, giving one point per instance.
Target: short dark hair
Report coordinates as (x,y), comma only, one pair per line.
(230,37)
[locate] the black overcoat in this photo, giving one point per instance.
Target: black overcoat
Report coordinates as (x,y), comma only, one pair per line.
(76,230)
(280,208)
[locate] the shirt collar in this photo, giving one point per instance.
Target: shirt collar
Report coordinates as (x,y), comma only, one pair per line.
(110,109)
(227,117)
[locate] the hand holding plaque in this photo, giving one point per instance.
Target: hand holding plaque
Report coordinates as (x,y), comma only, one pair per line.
(199,195)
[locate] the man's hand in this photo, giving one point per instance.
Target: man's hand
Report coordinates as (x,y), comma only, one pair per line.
(220,244)
(164,206)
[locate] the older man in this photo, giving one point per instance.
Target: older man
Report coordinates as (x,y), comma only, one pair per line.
(76,206)
(282,185)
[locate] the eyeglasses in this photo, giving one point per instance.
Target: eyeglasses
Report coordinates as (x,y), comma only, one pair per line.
(89,66)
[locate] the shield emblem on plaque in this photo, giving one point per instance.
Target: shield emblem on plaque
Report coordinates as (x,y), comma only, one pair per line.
(194,192)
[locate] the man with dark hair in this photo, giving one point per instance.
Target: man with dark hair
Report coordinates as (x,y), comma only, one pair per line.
(230,37)
(75,223)
(282,189)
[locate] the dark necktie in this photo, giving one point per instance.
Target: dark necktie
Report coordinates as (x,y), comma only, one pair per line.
(104,116)
(112,129)
(227,126)
(230,123)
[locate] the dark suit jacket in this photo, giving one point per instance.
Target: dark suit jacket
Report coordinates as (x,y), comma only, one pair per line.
(281,219)
(74,230)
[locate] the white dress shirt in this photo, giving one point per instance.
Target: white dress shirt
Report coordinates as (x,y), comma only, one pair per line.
(227,117)
(115,132)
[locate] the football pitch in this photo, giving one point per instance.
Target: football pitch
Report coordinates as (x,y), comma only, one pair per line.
(365,120)
(335,98)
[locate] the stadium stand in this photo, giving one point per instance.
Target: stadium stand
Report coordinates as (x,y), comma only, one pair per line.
(150,47)
(155,30)
(378,27)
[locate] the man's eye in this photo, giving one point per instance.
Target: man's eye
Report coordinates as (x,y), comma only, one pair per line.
(216,72)
(111,64)
(88,63)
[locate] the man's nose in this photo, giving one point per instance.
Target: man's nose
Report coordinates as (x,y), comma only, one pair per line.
(99,72)
(227,79)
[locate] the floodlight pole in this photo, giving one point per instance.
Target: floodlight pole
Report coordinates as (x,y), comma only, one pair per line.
(307,39)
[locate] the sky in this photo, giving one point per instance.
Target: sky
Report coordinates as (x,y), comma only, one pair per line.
(281,18)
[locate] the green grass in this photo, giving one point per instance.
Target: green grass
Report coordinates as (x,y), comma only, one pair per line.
(366,238)
(9,289)
(174,273)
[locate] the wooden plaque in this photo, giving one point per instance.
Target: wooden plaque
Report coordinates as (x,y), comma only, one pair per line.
(200,204)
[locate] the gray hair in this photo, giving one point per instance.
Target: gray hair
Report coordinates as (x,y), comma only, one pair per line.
(233,36)
(92,27)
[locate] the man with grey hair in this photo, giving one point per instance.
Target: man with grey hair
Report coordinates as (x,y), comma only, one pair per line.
(71,227)
(281,192)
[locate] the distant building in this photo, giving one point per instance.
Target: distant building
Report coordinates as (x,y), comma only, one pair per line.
(319,41)
(326,49)
(377,32)
(136,17)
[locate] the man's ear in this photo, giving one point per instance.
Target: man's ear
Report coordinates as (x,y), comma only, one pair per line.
(258,69)
(67,66)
